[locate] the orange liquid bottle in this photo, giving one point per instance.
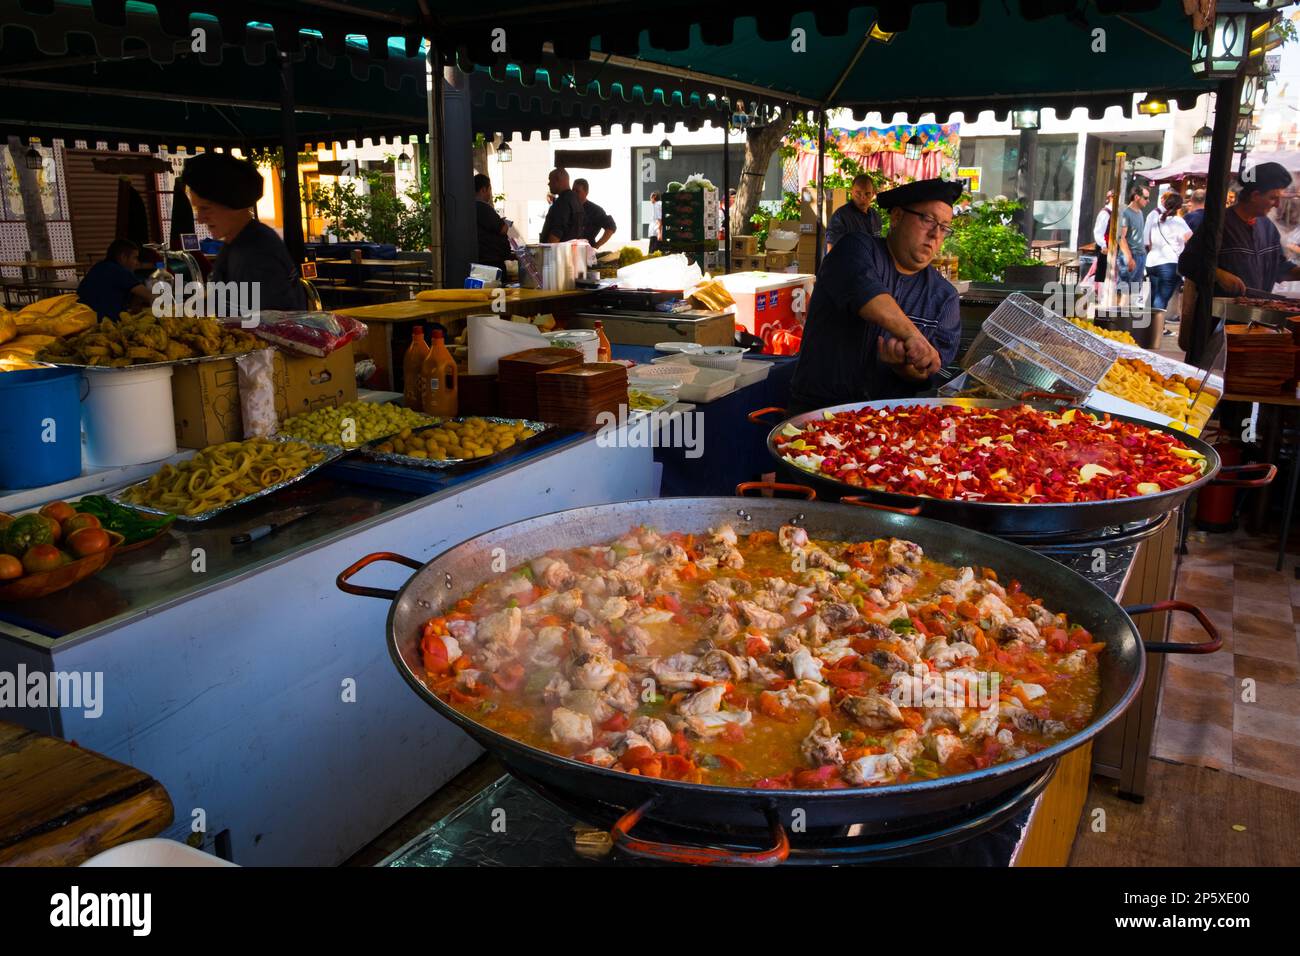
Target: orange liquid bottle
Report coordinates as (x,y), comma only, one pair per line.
(603,351)
(412,366)
(438,379)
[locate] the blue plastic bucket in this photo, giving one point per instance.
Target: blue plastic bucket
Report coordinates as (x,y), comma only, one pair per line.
(40,427)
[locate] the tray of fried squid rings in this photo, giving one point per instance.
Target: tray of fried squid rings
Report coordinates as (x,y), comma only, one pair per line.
(224,476)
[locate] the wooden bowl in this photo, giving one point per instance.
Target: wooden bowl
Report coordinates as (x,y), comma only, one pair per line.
(38,585)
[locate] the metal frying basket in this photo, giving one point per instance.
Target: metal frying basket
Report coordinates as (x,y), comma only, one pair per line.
(1024,347)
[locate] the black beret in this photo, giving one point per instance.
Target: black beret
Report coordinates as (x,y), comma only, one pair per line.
(1264,176)
(923,190)
(223,179)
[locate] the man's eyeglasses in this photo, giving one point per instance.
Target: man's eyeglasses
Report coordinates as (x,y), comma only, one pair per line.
(931,224)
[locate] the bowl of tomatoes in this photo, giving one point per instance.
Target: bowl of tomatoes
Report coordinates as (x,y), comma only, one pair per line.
(46,551)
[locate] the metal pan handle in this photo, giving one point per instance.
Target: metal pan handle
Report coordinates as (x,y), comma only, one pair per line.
(756,416)
(745,487)
(864,503)
(1270,472)
(1173,647)
(621,834)
(382,593)
(1034,395)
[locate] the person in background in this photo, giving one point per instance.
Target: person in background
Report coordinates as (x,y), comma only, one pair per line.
(110,286)
(656,221)
(881,320)
(1250,251)
(564,218)
(223,191)
(1195,211)
(1133,223)
(595,221)
(493,245)
(1166,236)
(856,215)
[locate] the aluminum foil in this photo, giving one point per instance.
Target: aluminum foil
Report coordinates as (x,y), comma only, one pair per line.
(170,363)
(368,450)
(331,454)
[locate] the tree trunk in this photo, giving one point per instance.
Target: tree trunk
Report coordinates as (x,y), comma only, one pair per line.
(29,188)
(760,144)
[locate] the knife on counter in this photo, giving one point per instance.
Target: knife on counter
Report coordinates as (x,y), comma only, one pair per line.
(287,517)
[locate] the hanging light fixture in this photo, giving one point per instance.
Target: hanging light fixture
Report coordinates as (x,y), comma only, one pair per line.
(404,162)
(1152,105)
(504,153)
(912,148)
(665,150)
(33,157)
(1219,49)
(1202,139)
(1025,119)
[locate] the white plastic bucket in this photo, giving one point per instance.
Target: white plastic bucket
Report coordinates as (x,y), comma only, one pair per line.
(127,416)
(584,340)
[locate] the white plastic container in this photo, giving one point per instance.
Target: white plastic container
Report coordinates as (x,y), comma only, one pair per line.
(726,357)
(127,416)
(709,384)
(585,340)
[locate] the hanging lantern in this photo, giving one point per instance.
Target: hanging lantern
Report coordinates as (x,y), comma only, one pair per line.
(912,148)
(32,158)
(1025,119)
(404,162)
(504,154)
(1249,86)
(1152,105)
(1220,49)
(1202,139)
(665,150)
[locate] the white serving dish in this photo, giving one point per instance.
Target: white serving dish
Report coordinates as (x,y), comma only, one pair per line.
(678,347)
(709,384)
(749,371)
(726,357)
(155,852)
(659,371)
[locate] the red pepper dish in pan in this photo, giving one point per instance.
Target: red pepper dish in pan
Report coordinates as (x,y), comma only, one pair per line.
(764,660)
(1014,455)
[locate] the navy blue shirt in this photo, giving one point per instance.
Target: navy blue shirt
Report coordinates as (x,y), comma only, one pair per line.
(1253,253)
(258,255)
(1193,219)
(107,287)
(838,361)
(849,218)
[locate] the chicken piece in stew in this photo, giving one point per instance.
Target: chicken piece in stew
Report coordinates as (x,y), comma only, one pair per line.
(764,660)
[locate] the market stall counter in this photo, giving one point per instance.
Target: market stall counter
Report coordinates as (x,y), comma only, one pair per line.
(390,322)
(255,692)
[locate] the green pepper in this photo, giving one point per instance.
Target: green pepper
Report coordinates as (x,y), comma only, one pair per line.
(902,625)
(527,572)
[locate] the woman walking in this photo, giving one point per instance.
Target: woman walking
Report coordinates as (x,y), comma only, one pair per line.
(1166,234)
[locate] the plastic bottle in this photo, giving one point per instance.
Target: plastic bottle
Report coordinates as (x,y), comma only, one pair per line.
(603,351)
(412,368)
(438,380)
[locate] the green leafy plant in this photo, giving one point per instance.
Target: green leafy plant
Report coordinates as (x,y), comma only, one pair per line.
(379,214)
(986,240)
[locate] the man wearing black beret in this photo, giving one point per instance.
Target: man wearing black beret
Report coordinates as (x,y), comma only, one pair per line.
(1250,253)
(223,191)
(881,320)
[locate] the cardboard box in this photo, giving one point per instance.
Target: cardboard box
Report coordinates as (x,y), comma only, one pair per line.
(778,261)
(744,246)
(205,395)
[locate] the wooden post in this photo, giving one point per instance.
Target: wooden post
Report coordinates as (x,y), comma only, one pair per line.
(726,190)
(1112,230)
(1026,170)
(821,191)
(435,166)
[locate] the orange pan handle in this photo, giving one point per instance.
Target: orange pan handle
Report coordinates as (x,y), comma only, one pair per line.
(745,487)
(1173,647)
(757,415)
(1269,473)
(621,834)
(382,593)
(864,503)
